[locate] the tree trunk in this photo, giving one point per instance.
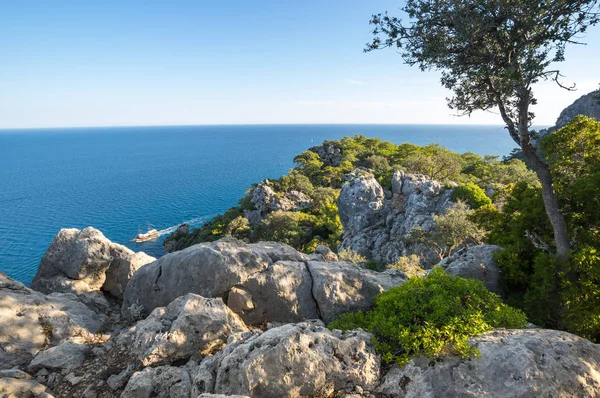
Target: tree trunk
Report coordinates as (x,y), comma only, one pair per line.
(559,225)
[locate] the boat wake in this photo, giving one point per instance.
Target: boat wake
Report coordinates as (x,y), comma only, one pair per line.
(194,222)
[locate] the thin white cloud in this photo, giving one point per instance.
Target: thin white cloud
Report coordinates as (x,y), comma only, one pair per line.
(358,82)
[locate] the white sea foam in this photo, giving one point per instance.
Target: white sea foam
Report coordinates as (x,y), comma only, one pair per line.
(194,222)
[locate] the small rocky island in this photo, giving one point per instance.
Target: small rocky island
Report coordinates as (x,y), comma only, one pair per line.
(229,314)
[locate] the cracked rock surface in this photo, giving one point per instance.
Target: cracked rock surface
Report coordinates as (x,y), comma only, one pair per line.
(525,363)
(261,282)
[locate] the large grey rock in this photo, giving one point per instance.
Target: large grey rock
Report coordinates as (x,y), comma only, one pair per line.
(342,287)
(30,321)
(476,262)
(527,363)
(190,327)
(78,261)
(122,269)
(82,256)
(207,269)
(326,253)
(159,382)
(377,227)
(587,105)
(277,251)
(69,354)
(292,360)
(361,202)
(23,388)
(262,282)
(282,293)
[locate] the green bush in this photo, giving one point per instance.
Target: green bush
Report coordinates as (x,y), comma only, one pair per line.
(556,294)
(292,228)
(453,230)
(471,194)
(433,316)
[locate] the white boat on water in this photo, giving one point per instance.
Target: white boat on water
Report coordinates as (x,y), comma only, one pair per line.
(151,234)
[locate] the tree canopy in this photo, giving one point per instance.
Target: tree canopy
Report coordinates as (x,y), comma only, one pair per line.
(490,53)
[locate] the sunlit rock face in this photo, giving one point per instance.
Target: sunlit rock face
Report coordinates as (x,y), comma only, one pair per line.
(376,226)
(525,363)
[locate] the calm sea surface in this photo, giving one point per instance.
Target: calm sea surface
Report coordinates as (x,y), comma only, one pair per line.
(118,179)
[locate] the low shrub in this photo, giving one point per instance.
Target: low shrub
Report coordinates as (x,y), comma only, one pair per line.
(409,265)
(471,194)
(431,316)
(347,254)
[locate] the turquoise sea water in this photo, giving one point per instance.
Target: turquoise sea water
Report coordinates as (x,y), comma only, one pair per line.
(119,178)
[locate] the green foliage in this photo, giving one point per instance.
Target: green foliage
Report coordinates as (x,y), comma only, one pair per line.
(554,293)
(454,229)
(574,158)
(239,228)
(489,170)
(582,296)
(472,195)
(293,228)
(436,162)
(410,265)
(308,163)
(431,316)
(346,254)
(296,181)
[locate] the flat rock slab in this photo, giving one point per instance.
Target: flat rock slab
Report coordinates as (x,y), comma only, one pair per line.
(526,363)
(30,320)
(342,287)
(20,388)
(67,355)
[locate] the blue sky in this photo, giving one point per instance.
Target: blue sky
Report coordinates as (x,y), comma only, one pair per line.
(103,63)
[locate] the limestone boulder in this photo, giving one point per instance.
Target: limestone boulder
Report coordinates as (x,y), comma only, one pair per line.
(282,293)
(475,262)
(122,269)
(326,253)
(527,363)
(14,385)
(82,256)
(293,360)
(206,269)
(31,321)
(587,105)
(277,251)
(190,327)
(361,201)
(69,355)
(266,200)
(79,262)
(342,287)
(159,382)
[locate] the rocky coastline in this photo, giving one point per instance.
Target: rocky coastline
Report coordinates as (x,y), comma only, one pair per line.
(234,319)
